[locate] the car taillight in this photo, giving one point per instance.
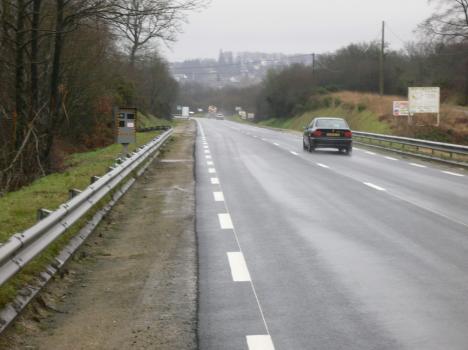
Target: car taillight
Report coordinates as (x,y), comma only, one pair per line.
(348,134)
(316,133)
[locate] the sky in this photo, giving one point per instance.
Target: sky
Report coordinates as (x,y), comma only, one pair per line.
(294,26)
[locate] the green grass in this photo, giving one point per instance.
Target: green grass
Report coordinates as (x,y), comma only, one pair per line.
(358,120)
(148,120)
(18,209)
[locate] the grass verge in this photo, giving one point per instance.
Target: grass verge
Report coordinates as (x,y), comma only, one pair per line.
(363,120)
(18,209)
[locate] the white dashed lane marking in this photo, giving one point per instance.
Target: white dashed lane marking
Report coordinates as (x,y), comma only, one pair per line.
(239,270)
(375,187)
(207,151)
(211,170)
(209,162)
(214,181)
(323,165)
(218,196)
(276,144)
(260,342)
(208,157)
(417,165)
(225,221)
(454,174)
(371,153)
(294,153)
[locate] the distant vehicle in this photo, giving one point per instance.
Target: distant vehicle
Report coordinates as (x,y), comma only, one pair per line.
(212,110)
(220,116)
(328,132)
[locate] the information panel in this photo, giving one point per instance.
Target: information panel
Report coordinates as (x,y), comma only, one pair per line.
(424,100)
(400,108)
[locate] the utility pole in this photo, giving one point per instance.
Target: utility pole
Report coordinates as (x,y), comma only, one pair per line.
(313,63)
(382,57)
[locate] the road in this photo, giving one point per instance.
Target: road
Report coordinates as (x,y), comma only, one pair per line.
(319,250)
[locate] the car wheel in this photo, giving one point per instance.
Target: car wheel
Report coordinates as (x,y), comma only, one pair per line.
(304,147)
(349,150)
(310,148)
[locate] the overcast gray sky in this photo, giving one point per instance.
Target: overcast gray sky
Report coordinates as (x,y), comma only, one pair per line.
(294,26)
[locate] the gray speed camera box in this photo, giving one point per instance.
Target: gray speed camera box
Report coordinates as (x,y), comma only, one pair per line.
(126,122)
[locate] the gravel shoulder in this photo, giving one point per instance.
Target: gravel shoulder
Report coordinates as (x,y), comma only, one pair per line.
(133,285)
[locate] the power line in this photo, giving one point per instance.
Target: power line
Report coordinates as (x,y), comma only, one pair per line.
(396,35)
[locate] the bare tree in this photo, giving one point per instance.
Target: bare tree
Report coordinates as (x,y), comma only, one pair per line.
(148,20)
(450,25)
(450,21)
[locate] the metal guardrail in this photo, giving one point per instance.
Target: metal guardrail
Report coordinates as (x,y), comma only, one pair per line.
(154,128)
(23,247)
(446,152)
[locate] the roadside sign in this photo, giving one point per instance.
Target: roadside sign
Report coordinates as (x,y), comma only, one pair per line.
(126,125)
(400,108)
(424,100)
(185,112)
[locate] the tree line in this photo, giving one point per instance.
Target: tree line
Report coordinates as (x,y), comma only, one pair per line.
(440,59)
(64,64)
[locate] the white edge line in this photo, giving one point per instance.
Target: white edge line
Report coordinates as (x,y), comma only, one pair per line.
(323,165)
(294,153)
(240,248)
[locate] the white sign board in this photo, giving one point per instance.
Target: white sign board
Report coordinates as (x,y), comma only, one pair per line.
(185,112)
(250,116)
(400,108)
(424,100)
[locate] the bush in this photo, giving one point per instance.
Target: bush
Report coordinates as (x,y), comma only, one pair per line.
(361,107)
(327,102)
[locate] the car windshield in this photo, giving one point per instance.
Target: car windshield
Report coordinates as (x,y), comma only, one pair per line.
(331,123)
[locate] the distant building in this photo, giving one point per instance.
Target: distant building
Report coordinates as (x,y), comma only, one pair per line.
(230,69)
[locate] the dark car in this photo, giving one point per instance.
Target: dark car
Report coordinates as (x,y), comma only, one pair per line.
(328,132)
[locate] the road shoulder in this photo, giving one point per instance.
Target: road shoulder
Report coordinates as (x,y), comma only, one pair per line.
(134,282)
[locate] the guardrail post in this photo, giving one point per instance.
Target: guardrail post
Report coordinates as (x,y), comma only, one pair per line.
(73,192)
(94,179)
(43,213)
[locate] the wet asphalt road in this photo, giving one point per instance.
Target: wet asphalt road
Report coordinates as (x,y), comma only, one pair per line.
(325,251)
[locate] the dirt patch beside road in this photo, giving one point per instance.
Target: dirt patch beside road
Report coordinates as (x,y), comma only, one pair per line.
(133,285)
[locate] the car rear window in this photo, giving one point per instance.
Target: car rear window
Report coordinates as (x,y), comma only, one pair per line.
(331,123)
